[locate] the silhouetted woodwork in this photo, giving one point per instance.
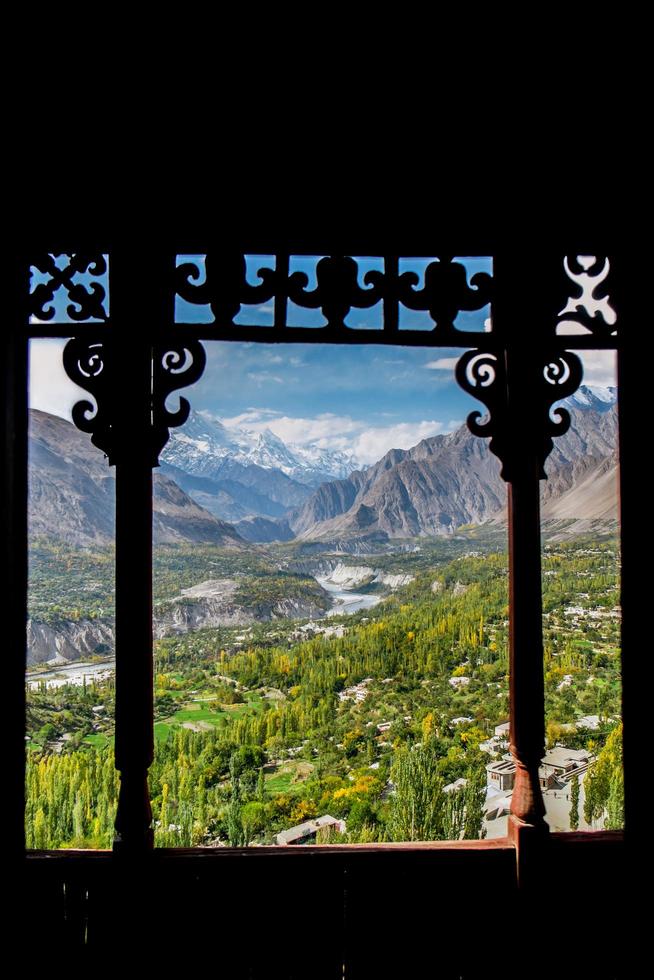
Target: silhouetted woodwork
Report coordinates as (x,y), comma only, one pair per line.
(336,896)
(130,443)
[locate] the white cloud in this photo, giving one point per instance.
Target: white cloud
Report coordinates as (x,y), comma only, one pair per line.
(50,388)
(327,430)
(341,432)
(372,443)
(599,367)
(263,377)
(442,364)
(248,418)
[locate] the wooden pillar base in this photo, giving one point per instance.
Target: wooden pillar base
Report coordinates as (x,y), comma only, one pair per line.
(131,846)
(531,846)
(134,831)
(527,804)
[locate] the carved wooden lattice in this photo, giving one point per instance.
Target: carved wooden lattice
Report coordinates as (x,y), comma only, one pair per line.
(519,367)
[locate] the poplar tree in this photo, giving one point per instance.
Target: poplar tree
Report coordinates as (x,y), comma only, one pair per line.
(574,803)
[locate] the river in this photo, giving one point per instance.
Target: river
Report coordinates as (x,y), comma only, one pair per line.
(345,600)
(72,674)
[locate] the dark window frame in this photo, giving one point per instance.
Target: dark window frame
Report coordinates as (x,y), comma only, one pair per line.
(141,318)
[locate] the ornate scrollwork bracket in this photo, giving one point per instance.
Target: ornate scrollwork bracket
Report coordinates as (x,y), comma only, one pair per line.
(225,288)
(87,301)
(556,376)
(588,303)
(482,374)
(446,291)
(561,375)
(338,289)
(91,364)
(173,368)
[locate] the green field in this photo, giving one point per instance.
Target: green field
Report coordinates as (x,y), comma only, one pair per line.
(99,740)
(289,776)
(200,713)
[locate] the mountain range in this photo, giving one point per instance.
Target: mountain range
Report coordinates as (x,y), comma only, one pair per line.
(212,477)
(449,480)
(237,473)
(72,494)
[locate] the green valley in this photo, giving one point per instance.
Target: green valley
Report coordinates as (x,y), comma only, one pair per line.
(368,717)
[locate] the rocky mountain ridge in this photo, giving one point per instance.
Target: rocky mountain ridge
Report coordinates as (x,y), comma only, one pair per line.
(450,480)
(72,494)
(206,443)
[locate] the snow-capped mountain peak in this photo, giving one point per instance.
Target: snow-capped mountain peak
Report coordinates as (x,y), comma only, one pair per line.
(592,398)
(204,443)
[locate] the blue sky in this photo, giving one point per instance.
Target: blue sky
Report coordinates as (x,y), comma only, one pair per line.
(300,317)
(365,399)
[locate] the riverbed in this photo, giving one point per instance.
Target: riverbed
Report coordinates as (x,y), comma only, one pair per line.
(346,601)
(74,673)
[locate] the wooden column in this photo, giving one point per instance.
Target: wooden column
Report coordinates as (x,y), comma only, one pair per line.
(527,719)
(133,288)
(134,695)
(522,323)
(13,536)
(526,686)
(634,422)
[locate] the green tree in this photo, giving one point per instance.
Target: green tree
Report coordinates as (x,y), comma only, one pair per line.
(604,784)
(574,803)
(418,800)
(420,810)
(474,800)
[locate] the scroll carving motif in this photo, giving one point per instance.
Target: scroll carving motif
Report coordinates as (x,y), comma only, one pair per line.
(225,288)
(562,374)
(89,363)
(589,304)
(338,290)
(86,301)
(483,375)
(445,293)
(173,368)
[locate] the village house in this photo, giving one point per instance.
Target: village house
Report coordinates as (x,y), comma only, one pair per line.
(305,833)
(497,742)
(497,808)
(501,775)
(588,721)
(560,765)
(358,692)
